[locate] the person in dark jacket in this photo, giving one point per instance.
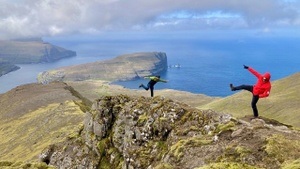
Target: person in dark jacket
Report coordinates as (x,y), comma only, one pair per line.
(260,90)
(151,83)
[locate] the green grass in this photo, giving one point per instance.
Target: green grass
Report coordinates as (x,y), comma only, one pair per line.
(25,137)
(228,165)
(24,165)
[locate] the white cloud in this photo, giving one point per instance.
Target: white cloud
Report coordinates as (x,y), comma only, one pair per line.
(21,18)
(54,30)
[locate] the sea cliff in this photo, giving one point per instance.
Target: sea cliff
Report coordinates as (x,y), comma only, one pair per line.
(121,68)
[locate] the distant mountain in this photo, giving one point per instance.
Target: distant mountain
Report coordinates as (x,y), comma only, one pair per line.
(124,67)
(30,51)
(282,104)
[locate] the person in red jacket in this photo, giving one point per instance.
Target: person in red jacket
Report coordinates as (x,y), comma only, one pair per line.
(260,90)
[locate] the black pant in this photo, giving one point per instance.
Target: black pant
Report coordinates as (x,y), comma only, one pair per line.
(149,86)
(255,98)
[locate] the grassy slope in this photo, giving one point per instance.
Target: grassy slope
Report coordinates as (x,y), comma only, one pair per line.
(281,105)
(34,116)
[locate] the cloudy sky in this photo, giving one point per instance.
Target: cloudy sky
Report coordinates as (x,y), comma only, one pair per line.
(40,18)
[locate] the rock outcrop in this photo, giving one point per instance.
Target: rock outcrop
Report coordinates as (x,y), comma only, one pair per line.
(124,67)
(125,132)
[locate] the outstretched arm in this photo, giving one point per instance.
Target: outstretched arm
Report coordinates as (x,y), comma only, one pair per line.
(150,77)
(162,80)
(254,72)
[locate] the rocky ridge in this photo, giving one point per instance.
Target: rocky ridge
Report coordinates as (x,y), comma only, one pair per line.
(34,116)
(139,132)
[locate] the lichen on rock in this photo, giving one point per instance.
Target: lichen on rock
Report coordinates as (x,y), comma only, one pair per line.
(139,132)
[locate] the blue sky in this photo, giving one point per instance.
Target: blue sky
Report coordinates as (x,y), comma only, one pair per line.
(52,18)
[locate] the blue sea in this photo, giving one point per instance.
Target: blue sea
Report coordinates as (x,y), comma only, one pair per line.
(207,66)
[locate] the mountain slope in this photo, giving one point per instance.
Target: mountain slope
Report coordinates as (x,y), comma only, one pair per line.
(281,105)
(56,124)
(143,132)
(34,116)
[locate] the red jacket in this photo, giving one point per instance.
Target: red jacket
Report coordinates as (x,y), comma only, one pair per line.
(262,87)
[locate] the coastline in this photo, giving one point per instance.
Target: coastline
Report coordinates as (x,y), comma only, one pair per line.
(6,68)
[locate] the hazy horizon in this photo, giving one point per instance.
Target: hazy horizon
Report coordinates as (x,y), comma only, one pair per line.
(43,18)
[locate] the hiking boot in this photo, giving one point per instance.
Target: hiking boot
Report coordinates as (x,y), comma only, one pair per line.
(231,87)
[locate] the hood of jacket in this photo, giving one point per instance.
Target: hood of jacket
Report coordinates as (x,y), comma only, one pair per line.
(267,76)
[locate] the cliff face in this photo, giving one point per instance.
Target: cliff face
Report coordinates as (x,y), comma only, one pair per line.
(125,132)
(125,67)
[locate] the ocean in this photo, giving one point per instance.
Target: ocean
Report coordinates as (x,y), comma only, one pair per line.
(207,66)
